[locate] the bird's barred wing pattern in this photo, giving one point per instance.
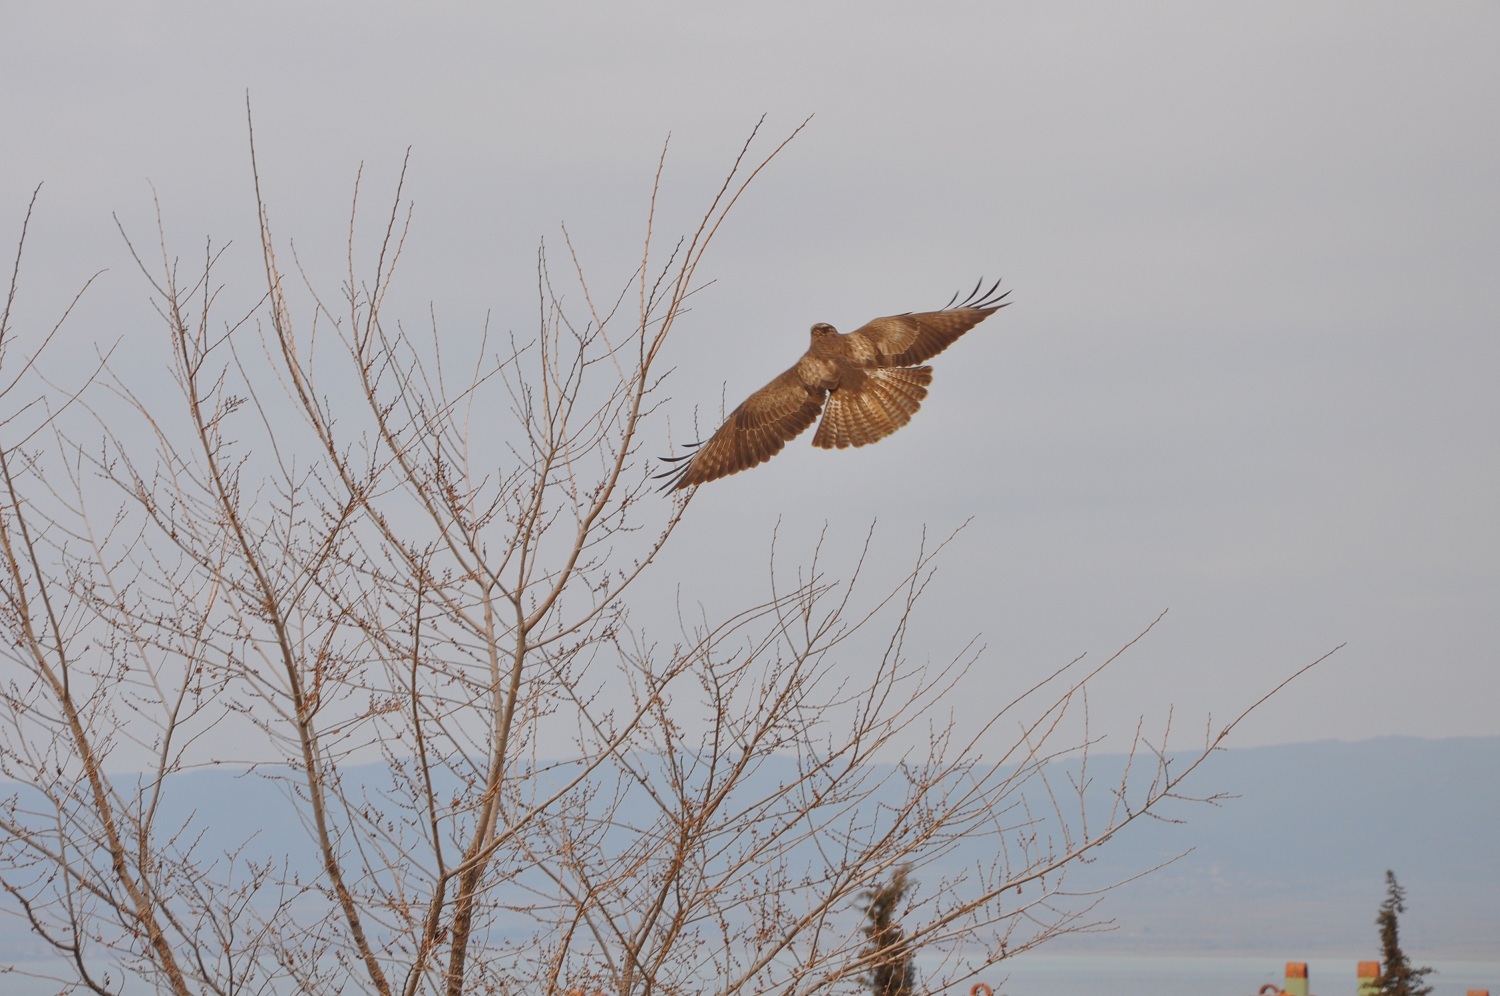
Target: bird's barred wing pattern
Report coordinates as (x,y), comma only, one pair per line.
(881,402)
(902,340)
(754,432)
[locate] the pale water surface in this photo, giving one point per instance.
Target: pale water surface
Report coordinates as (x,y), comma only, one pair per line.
(1101,975)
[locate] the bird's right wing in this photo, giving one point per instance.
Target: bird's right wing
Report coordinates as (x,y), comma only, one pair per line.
(753,433)
(904,340)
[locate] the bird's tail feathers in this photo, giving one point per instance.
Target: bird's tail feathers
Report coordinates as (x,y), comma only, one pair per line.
(883,403)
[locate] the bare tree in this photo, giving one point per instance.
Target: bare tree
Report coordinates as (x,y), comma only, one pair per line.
(370,570)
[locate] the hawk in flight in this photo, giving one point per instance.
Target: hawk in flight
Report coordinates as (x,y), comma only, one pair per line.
(865,383)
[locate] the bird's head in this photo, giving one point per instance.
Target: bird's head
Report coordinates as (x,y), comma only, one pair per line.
(823,330)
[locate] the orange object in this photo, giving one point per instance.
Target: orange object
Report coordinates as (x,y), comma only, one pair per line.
(1296,978)
(1369,969)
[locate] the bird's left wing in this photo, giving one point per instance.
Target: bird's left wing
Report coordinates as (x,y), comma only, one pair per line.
(753,433)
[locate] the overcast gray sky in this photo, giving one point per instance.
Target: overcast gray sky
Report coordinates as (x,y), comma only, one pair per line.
(1250,372)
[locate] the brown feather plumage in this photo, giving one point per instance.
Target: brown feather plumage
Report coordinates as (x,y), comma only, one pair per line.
(866,384)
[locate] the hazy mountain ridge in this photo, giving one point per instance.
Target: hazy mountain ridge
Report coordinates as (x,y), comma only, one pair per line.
(1296,862)
(1292,865)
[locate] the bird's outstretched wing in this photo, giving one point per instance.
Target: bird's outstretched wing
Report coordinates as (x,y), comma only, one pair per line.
(753,433)
(903,340)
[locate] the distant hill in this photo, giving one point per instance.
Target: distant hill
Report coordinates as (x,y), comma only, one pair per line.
(1292,867)
(1295,865)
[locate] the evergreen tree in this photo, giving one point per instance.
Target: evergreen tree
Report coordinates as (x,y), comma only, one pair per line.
(894,971)
(1397,977)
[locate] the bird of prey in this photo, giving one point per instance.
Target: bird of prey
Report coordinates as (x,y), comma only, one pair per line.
(865,383)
